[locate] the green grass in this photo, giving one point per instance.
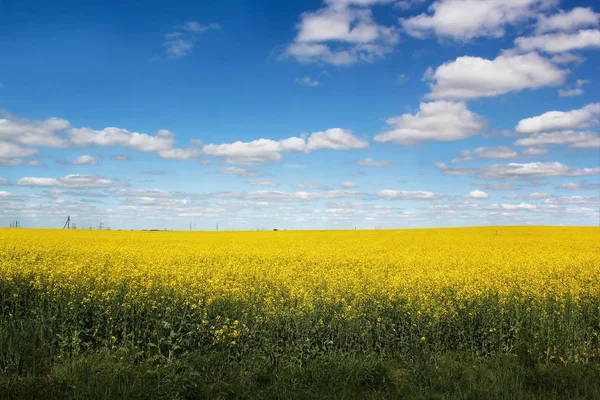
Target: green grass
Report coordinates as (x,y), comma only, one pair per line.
(214,375)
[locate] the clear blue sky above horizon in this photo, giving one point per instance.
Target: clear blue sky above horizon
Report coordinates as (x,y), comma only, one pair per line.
(300,115)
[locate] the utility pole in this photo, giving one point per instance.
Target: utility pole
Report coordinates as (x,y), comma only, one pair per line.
(68,223)
(217,227)
(190,226)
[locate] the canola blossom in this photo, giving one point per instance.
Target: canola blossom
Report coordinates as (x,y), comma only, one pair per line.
(514,290)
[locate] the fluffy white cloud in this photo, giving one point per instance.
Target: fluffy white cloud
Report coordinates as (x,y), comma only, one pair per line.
(579,186)
(280,196)
(237,171)
(263,182)
(162,142)
(478,195)
(120,157)
(84,160)
(189,153)
(438,120)
(4,182)
(342,33)
(261,151)
(71,181)
(530,196)
(578,17)
(369,162)
(535,151)
(472,77)
(10,150)
(307,81)
(520,171)
(558,120)
(255,152)
(108,137)
(570,92)
(311,185)
(590,201)
(408,195)
(567,58)
(576,139)
(496,186)
(467,19)
(335,139)
(349,185)
(560,42)
(486,152)
(33,132)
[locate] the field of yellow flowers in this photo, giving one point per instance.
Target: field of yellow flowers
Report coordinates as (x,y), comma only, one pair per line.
(531,292)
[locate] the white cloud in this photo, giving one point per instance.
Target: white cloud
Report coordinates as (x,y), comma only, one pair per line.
(535,151)
(84,160)
(530,196)
(342,33)
(520,171)
(280,196)
(579,186)
(263,182)
(177,45)
(486,152)
(336,139)
(578,17)
(369,162)
(592,143)
(120,157)
(558,120)
(255,152)
(408,195)
(478,195)
(189,153)
(155,172)
(438,120)
(311,185)
(570,92)
(4,182)
(560,42)
(577,139)
(467,19)
(567,58)
(33,132)
(181,43)
(349,185)
(261,151)
(194,26)
(307,81)
(496,186)
(472,77)
(575,91)
(237,171)
(71,181)
(589,201)
(10,150)
(107,137)
(4,195)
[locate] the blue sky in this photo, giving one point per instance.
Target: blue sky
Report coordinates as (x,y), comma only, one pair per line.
(300,115)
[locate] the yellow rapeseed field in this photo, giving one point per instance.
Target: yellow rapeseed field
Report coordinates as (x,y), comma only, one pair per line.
(483,290)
